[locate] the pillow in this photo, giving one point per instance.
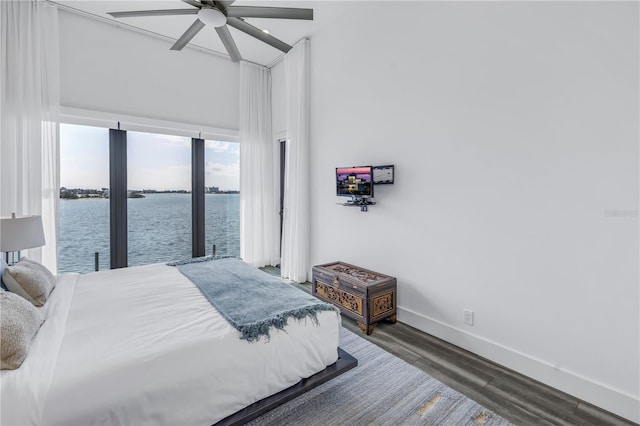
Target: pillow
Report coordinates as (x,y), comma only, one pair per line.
(19,322)
(29,281)
(41,267)
(3,265)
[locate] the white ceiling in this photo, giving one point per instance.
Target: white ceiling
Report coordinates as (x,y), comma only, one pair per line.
(287,30)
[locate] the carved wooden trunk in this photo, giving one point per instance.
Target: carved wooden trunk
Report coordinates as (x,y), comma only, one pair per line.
(365,296)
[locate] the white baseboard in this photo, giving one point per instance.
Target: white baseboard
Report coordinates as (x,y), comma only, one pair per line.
(598,394)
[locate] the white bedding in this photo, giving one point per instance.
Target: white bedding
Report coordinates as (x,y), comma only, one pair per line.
(141,345)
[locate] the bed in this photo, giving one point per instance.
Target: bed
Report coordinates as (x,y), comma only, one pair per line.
(142,345)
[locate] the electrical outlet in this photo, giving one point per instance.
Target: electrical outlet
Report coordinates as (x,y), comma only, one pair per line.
(468,317)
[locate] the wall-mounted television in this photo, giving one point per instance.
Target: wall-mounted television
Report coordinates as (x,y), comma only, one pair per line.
(354,181)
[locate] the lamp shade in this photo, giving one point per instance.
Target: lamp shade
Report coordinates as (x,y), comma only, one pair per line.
(19,233)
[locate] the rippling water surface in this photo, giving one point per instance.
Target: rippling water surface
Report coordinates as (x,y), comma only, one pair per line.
(159,229)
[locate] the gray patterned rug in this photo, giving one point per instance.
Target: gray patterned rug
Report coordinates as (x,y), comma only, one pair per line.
(381,390)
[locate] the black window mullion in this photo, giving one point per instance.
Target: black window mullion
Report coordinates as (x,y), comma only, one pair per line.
(197,197)
(283,156)
(118,197)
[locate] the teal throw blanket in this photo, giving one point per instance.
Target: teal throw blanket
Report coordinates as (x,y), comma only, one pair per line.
(251,300)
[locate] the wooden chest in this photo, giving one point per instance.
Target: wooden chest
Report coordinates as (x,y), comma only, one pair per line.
(365,296)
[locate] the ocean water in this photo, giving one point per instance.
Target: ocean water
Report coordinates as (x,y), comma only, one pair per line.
(159,229)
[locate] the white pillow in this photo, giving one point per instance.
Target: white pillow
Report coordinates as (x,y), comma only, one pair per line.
(42,268)
(19,322)
(29,281)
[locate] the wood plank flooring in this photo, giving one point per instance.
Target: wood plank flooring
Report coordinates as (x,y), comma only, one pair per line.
(517,398)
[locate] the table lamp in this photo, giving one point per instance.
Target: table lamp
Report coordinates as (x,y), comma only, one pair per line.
(19,233)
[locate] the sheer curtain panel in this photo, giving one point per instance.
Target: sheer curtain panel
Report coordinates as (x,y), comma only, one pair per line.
(295,234)
(259,244)
(29,105)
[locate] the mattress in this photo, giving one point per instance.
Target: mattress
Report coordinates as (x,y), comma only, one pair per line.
(142,345)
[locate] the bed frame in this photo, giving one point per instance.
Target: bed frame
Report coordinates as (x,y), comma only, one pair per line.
(344,363)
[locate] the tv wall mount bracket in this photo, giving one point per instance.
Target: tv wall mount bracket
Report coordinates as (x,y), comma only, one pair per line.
(361,202)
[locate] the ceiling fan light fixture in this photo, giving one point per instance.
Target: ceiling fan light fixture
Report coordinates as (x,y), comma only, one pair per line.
(212,16)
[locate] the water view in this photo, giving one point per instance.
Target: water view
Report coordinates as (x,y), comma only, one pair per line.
(159,229)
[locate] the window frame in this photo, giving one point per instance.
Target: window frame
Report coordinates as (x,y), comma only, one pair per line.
(118,125)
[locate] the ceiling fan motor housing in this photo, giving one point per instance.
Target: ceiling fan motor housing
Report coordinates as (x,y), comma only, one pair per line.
(212,16)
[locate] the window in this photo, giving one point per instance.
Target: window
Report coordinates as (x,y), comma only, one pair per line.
(84,202)
(159,198)
(222,199)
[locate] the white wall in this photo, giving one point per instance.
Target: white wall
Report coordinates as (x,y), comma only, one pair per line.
(513,127)
(115,70)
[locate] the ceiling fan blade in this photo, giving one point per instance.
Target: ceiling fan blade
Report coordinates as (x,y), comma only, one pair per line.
(223,4)
(241,25)
(188,35)
(269,12)
(193,3)
(153,13)
(228,42)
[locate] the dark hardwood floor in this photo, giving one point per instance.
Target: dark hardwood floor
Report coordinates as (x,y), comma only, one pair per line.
(517,398)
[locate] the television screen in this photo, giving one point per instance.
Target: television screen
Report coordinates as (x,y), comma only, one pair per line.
(354,181)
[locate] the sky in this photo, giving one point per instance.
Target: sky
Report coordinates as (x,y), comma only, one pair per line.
(159,162)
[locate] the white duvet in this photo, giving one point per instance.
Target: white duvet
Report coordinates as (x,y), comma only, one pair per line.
(141,345)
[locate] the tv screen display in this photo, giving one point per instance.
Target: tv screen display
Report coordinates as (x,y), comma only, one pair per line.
(354,181)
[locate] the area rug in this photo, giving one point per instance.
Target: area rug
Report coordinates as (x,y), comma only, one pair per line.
(381,390)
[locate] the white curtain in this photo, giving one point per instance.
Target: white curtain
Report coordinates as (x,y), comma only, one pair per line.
(30,98)
(259,225)
(295,236)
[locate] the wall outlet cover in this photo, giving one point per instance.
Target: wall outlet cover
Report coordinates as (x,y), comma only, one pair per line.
(468,317)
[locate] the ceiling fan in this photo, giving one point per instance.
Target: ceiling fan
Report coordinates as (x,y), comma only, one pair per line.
(219,14)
